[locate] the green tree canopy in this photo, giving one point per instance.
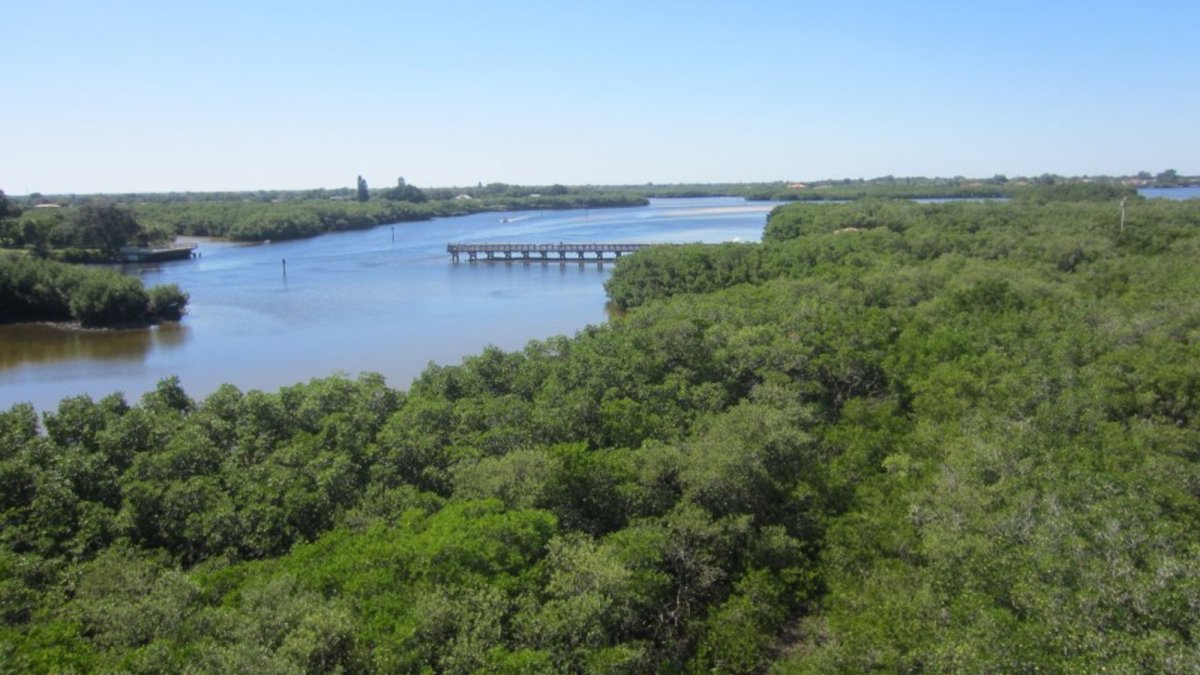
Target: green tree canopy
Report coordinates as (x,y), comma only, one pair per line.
(104,226)
(403,192)
(7,208)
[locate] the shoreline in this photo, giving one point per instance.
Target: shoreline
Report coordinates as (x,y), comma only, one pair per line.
(77,327)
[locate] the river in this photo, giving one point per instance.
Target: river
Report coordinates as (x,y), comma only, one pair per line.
(386,300)
(1176,193)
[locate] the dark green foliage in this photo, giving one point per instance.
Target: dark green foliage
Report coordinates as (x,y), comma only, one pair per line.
(885,187)
(1104,191)
(257,221)
(403,192)
(7,208)
(115,300)
(1042,188)
(107,227)
(894,437)
(93,231)
(41,290)
(167,302)
(90,231)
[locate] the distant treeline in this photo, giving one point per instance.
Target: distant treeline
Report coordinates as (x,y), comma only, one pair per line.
(889,187)
(262,215)
(834,190)
(252,221)
(521,196)
(402,191)
(42,290)
(62,232)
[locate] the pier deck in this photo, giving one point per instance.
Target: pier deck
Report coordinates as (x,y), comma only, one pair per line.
(560,252)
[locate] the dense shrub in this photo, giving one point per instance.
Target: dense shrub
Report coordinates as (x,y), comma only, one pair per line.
(924,444)
(167,302)
(41,290)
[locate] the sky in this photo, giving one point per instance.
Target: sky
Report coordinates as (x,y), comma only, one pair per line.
(166,95)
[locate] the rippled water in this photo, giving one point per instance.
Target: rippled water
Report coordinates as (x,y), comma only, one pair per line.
(386,300)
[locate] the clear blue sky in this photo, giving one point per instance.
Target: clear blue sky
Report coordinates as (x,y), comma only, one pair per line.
(112,96)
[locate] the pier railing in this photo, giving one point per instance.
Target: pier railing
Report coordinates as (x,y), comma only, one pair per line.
(540,252)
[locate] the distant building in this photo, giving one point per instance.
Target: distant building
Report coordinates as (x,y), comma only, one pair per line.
(463,197)
(797,186)
(47,206)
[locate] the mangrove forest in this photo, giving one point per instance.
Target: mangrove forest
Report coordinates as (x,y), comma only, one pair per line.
(893,437)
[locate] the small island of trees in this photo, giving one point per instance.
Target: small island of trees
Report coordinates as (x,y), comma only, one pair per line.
(35,289)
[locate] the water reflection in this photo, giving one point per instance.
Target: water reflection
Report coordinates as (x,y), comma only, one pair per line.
(45,343)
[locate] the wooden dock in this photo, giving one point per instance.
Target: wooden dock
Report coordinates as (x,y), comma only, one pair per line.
(132,254)
(560,252)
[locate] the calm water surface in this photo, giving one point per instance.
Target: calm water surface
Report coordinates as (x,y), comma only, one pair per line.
(386,300)
(1171,193)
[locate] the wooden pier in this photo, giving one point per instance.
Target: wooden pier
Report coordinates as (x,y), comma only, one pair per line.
(560,252)
(132,254)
